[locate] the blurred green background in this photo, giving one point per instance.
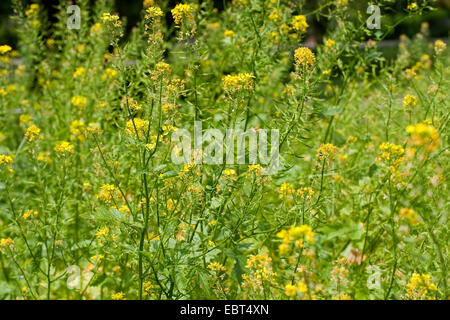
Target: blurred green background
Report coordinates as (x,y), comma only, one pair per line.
(439,19)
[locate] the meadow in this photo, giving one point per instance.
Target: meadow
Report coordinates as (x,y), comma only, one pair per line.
(92,205)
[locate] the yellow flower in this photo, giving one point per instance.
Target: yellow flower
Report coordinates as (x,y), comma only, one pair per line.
(50,42)
(8,242)
(77,128)
(290,290)
(161,69)
(413,6)
(108,193)
(425,135)
(419,287)
(64,147)
(255,168)
(180,12)
(137,127)
(96,28)
(391,153)
(32,132)
(118,296)
(6,161)
(410,215)
(97,258)
(304,57)
(439,46)
(148,3)
(30,213)
(44,157)
(301,286)
(274,15)
(299,23)
(235,83)
(24,119)
(114,19)
(109,74)
(78,101)
(410,100)
(326,151)
(4,49)
(32,10)
(284,249)
(102,232)
(229,174)
(229,34)
(171,204)
(153,12)
(286,188)
(79,72)
(216,267)
(329,44)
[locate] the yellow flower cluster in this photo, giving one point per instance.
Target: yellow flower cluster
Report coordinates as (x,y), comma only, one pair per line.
(413,6)
(299,23)
(8,242)
(424,135)
(235,83)
(109,74)
(5,49)
(286,189)
(305,58)
(216,267)
(32,10)
(132,104)
(30,214)
(32,132)
(439,46)
(410,101)
(260,268)
(275,15)
(291,291)
(153,13)
(77,129)
(161,69)
(419,287)
(296,236)
(410,215)
(102,233)
(44,157)
(229,34)
(305,193)
(180,12)
(114,19)
(78,101)
(108,193)
(229,174)
(118,296)
(64,147)
(172,205)
(79,72)
(326,152)
(148,287)
(330,43)
(255,168)
(96,28)
(391,152)
(137,127)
